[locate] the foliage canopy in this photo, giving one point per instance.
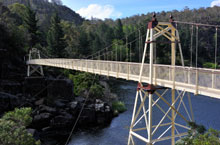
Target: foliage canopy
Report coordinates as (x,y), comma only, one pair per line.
(13,128)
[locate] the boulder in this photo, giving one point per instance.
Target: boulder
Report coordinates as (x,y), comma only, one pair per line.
(87,118)
(61,121)
(42,120)
(11,87)
(73,105)
(60,88)
(8,102)
(35,85)
(39,102)
(80,99)
(31,131)
(99,105)
(106,91)
(46,109)
(60,103)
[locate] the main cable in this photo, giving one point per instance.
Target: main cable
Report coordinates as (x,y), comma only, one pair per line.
(78,117)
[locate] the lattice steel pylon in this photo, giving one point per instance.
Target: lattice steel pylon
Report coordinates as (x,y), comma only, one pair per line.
(174,122)
(34,53)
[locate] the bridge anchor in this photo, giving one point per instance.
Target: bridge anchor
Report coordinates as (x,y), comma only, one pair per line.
(32,70)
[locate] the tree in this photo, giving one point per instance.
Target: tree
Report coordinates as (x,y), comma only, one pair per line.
(13,128)
(198,136)
(55,38)
(30,23)
(18,9)
(10,32)
(119,50)
(71,36)
(119,34)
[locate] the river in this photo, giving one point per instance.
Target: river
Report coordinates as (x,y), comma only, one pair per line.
(206,112)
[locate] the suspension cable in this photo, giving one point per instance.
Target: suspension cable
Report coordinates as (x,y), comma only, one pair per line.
(120,48)
(130,52)
(139,45)
(113,43)
(107,54)
(216,47)
(197,32)
(197,24)
(116,56)
(127,48)
(191,47)
(78,117)
(111,55)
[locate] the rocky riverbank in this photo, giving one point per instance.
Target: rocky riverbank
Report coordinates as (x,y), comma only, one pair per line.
(55,109)
(53,123)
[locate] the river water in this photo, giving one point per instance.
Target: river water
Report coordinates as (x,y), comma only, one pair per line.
(206,111)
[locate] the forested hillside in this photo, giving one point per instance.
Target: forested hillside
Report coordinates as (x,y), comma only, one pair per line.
(45,10)
(206,37)
(23,27)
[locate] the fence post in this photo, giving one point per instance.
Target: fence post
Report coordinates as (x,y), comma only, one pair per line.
(213,79)
(128,71)
(117,70)
(189,79)
(197,81)
(86,65)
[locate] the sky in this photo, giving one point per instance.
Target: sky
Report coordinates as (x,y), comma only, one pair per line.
(114,9)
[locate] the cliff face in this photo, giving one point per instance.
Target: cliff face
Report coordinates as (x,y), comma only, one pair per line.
(45,9)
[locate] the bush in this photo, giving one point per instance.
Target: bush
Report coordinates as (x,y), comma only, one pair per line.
(85,82)
(210,65)
(198,136)
(13,128)
(211,137)
(96,91)
(118,106)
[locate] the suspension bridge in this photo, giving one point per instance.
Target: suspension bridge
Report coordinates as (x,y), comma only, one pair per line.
(154,82)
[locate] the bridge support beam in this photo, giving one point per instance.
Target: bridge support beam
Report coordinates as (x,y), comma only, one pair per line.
(173,63)
(144,127)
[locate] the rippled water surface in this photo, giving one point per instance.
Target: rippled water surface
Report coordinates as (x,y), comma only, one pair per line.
(206,111)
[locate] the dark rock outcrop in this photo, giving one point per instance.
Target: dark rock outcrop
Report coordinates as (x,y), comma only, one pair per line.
(56,121)
(54,89)
(41,120)
(60,88)
(35,86)
(12,87)
(8,102)
(55,109)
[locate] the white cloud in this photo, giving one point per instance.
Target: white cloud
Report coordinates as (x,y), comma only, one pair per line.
(99,11)
(215,3)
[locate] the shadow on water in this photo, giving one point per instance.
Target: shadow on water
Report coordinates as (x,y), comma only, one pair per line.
(206,112)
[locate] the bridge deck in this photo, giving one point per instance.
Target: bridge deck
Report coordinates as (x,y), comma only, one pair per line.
(195,80)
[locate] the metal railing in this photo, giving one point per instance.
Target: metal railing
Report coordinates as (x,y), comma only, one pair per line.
(196,80)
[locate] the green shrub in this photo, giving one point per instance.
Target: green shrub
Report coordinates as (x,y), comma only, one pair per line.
(96,91)
(198,136)
(85,82)
(13,128)
(22,115)
(210,65)
(66,72)
(118,106)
